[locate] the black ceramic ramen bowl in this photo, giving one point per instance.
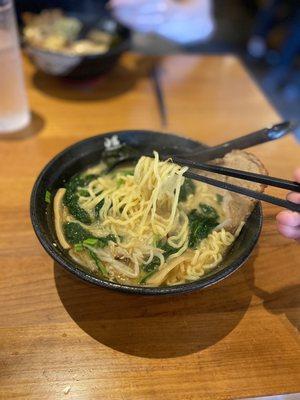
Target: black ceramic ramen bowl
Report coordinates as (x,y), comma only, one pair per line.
(82,66)
(88,152)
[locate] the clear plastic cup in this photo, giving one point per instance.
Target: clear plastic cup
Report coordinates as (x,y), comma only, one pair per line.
(14,111)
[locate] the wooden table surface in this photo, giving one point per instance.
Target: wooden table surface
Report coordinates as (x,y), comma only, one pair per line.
(236,339)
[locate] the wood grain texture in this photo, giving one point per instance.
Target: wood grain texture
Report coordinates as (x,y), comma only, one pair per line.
(236,339)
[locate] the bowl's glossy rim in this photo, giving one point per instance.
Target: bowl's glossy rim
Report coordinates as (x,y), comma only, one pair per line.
(160,290)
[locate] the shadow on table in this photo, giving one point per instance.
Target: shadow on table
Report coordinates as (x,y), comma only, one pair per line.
(37,123)
(284,301)
(115,83)
(157,327)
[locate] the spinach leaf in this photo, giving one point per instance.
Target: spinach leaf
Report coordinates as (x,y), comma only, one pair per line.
(120,182)
(200,226)
(71,197)
(152,266)
(86,179)
(98,262)
(208,211)
(127,172)
(168,250)
(80,181)
(83,240)
(84,193)
(146,277)
(79,213)
(186,189)
(122,174)
(76,234)
(98,208)
(103,241)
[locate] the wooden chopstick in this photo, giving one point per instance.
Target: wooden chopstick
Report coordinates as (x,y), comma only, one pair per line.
(246,192)
(235,173)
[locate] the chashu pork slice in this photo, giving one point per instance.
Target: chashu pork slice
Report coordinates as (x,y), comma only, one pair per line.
(238,207)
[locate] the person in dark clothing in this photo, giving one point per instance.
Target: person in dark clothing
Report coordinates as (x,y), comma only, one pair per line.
(284,13)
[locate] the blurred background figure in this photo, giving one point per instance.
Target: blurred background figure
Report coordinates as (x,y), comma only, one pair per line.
(274,45)
(183,22)
(276,39)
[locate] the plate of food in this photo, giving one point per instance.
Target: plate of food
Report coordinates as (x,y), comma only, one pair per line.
(142,227)
(73,45)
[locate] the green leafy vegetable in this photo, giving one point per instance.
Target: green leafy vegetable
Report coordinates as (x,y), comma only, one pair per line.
(75,234)
(83,240)
(78,212)
(152,266)
(98,263)
(120,182)
(98,208)
(156,240)
(86,179)
(186,189)
(208,211)
(71,197)
(155,263)
(84,193)
(127,172)
(48,197)
(168,250)
(200,226)
(78,247)
(103,241)
(146,277)
(90,241)
(219,198)
(80,181)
